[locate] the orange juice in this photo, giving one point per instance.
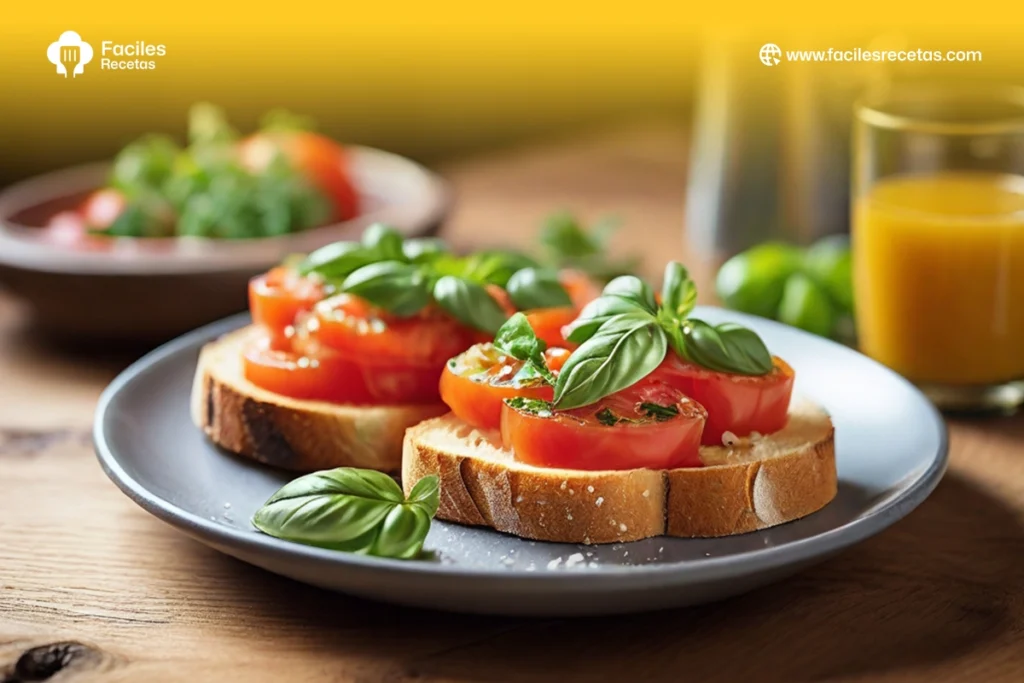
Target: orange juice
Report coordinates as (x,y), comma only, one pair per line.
(939,276)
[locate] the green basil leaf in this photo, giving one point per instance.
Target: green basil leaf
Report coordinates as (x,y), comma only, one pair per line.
(633,288)
(623,351)
(726,348)
(495,267)
(337,260)
(565,237)
(469,303)
(385,241)
(348,481)
(517,339)
(806,305)
(598,312)
(402,533)
(753,281)
(427,494)
(399,288)
(531,288)
(354,510)
(336,506)
(678,292)
(424,249)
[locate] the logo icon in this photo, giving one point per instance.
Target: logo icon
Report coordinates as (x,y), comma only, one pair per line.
(770,54)
(69,54)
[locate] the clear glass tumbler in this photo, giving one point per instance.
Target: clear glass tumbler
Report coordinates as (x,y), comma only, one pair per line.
(938,239)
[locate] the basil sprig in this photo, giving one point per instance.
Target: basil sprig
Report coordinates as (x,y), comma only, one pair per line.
(405,276)
(625,334)
(537,288)
(354,510)
(517,339)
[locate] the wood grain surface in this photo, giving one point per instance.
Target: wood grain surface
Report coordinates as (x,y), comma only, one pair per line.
(94,589)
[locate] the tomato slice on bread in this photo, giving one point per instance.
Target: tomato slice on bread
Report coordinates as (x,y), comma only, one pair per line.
(277,297)
(649,425)
(475,384)
(352,326)
(740,404)
(325,375)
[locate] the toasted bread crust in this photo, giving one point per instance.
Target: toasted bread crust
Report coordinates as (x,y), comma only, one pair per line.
(292,434)
(751,486)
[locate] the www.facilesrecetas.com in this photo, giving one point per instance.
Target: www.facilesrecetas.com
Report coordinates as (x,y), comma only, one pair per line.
(866,55)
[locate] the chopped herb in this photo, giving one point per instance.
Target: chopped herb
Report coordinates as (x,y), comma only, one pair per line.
(606,417)
(532,406)
(659,412)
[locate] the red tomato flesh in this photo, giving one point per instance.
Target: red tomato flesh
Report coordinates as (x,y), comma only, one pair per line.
(740,404)
(619,432)
(324,375)
(547,323)
(475,383)
(277,298)
(322,161)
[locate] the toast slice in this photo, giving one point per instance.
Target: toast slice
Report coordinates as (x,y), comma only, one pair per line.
(293,434)
(754,484)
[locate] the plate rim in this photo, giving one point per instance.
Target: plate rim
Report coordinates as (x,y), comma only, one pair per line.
(624,576)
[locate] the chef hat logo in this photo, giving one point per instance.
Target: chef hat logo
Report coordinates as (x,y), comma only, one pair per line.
(79,54)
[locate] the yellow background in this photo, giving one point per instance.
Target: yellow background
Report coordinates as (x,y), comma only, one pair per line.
(426,79)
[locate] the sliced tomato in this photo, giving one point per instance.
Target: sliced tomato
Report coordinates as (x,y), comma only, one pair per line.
(475,383)
(321,160)
(324,375)
(547,323)
(102,208)
(740,404)
(649,425)
(277,297)
(354,327)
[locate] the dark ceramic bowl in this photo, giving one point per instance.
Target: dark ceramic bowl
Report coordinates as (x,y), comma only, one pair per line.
(153,289)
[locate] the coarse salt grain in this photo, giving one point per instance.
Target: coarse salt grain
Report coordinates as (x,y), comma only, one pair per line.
(568,516)
(646,494)
(729,439)
(573,560)
(553,564)
(590,489)
(599,501)
(623,527)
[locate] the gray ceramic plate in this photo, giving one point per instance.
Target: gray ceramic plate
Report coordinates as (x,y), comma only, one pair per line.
(891,452)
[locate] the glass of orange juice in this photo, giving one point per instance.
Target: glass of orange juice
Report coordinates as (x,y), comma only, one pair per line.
(938,239)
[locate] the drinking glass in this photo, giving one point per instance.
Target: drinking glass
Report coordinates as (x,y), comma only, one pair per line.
(938,239)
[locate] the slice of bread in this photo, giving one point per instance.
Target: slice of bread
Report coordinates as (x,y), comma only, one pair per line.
(293,434)
(754,484)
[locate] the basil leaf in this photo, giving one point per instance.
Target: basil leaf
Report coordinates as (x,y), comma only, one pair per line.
(623,351)
(726,348)
(633,288)
(336,260)
(424,249)
(660,412)
(598,312)
(531,406)
(517,339)
(426,494)
(495,267)
(531,288)
(678,292)
(336,506)
(399,288)
(402,533)
(354,510)
(469,303)
(384,241)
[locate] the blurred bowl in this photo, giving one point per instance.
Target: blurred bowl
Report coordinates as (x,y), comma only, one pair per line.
(151,289)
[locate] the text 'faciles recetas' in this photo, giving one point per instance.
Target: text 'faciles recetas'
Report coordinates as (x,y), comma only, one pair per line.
(121,56)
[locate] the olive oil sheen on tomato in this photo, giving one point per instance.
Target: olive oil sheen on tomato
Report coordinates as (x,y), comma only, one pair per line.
(939,276)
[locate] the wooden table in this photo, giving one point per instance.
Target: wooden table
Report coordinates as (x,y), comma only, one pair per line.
(95,589)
